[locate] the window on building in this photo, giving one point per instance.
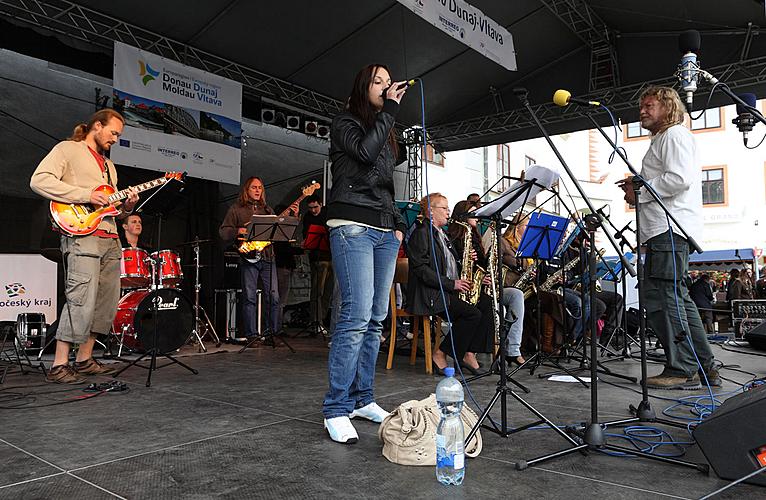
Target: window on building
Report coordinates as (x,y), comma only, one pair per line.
(433,157)
(528,162)
(713,186)
(556,199)
(711,118)
(635,130)
(503,166)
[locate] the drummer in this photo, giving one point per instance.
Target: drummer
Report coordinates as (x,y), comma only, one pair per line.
(133,227)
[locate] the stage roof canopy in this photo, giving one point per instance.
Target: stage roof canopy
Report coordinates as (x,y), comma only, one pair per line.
(304,53)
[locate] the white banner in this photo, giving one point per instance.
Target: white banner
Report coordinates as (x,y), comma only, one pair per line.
(469,25)
(178,118)
(28,286)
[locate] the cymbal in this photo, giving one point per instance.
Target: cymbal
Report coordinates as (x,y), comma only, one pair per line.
(194,242)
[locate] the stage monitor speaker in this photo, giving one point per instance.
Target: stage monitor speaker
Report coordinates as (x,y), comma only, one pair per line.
(733,437)
(757,337)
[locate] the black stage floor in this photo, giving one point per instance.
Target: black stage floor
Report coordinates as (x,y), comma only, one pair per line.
(249,426)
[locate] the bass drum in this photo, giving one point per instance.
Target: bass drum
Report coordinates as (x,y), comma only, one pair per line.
(135,319)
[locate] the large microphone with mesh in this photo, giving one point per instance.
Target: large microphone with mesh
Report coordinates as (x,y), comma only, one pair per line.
(688,69)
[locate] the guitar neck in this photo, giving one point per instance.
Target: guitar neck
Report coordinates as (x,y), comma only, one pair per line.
(121,195)
(286,211)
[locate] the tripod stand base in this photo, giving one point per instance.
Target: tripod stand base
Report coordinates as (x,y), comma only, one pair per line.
(267,337)
(153,364)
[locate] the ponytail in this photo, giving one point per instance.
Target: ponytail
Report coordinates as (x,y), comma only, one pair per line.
(102,116)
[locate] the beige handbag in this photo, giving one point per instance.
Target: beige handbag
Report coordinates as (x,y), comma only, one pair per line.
(409,432)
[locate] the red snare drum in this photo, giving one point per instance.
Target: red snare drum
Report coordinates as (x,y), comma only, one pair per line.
(134,268)
(171,274)
(134,322)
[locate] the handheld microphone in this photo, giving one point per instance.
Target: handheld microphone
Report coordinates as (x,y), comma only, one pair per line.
(405,85)
(689,44)
(563,98)
(745,121)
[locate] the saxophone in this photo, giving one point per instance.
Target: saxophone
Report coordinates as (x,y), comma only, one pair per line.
(525,284)
(556,277)
(467,271)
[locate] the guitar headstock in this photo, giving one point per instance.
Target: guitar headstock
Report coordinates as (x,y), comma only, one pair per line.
(179,176)
(309,190)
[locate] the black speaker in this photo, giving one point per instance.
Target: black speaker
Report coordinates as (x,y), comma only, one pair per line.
(757,337)
(733,437)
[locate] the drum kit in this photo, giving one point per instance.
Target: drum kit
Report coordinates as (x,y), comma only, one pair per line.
(157,277)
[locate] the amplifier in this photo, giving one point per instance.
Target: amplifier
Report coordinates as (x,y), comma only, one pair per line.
(750,308)
(231,279)
(733,437)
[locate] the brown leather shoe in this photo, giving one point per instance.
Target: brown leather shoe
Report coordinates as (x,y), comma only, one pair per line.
(92,367)
(64,374)
(671,382)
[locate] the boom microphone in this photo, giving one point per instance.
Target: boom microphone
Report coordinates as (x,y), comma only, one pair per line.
(405,85)
(689,45)
(745,119)
(563,98)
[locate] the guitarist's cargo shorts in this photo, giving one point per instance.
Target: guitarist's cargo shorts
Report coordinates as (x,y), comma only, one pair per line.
(92,275)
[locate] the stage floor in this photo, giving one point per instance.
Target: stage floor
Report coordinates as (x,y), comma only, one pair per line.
(249,426)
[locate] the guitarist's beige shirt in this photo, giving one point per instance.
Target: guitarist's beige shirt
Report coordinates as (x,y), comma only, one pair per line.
(69,173)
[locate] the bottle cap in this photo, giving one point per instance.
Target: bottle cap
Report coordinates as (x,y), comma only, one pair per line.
(449,372)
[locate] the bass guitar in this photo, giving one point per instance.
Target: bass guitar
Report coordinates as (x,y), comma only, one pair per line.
(82,219)
(251,250)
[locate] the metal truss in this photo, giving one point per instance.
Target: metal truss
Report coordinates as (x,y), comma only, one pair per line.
(413,140)
(87,25)
(588,26)
(737,74)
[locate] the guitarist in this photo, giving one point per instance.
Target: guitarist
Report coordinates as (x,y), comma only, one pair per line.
(252,201)
(70,173)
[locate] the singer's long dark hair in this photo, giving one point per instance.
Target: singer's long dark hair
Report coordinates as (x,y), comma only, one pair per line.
(359,103)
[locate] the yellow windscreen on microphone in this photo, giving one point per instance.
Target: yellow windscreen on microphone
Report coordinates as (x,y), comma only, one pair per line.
(561,97)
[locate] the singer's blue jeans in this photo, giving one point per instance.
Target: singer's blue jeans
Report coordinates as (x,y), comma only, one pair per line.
(670,311)
(364,260)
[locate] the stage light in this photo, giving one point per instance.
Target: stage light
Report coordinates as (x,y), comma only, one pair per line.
(323,131)
(293,122)
(310,128)
(268,116)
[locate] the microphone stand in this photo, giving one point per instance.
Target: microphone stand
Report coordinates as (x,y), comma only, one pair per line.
(644,412)
(592,436)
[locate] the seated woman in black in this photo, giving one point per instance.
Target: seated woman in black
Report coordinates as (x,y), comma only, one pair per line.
(423,289)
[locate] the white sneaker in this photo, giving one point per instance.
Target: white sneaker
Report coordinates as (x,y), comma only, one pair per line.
(341,430)
(371,412)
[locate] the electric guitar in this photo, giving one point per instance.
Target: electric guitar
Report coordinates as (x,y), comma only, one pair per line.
(82,219)
(252,249)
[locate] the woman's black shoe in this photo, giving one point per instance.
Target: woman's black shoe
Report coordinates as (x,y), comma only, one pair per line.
(514,360)
(472,370)
(437,370)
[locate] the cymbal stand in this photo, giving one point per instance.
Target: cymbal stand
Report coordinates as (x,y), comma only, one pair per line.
(207,326)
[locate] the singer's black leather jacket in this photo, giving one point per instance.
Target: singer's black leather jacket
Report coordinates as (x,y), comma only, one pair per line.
(363,170)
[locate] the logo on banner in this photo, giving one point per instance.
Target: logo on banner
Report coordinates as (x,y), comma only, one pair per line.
(170,153)
(146,72)
(124,143)
(14,289)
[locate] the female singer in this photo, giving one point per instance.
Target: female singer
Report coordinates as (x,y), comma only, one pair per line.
(366,229)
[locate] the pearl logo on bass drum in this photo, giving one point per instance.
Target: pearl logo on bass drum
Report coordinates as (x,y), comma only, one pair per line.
(166,306)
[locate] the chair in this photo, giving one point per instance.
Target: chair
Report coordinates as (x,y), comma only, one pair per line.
(400,276)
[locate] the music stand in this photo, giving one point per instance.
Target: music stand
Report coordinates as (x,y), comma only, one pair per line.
(317,239)
(410,210)
(516,196)
(271,228)
(158,206)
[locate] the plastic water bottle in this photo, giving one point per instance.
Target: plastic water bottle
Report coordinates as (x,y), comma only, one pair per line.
(450,456)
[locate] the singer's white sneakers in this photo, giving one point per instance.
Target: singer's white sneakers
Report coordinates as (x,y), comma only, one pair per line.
(341,430)
(371,412)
